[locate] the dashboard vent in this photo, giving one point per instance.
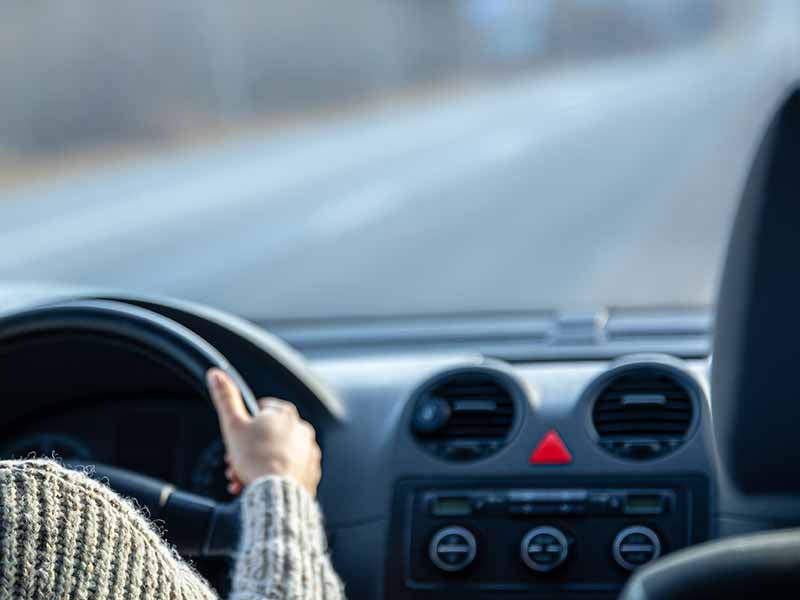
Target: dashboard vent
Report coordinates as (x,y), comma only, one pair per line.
(465,416)
(643,414)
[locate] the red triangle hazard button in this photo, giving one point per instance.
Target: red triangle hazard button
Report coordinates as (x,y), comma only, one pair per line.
(551,451)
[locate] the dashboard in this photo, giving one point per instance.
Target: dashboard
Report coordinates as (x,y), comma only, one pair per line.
(474,476)
(486,505)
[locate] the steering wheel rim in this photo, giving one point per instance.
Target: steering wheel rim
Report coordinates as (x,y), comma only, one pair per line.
(197,526)
(162,337)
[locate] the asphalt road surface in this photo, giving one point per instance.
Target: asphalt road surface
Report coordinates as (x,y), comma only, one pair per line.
(610,184)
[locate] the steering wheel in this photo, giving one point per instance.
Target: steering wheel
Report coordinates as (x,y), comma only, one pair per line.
(196,526)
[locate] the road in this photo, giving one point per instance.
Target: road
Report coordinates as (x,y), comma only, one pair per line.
(610,184)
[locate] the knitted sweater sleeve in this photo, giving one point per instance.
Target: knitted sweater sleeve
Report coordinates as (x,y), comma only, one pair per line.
(283,552)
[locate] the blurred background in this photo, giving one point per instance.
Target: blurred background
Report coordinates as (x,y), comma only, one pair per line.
(92,73)
(384,157)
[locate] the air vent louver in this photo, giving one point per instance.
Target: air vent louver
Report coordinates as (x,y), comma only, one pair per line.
(643,414)
(465,416)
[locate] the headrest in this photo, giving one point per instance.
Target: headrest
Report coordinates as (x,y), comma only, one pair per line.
(756,362)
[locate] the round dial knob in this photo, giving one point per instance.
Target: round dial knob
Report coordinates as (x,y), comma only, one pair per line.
(430,415)
(636,546)
(544,548)
(452,548)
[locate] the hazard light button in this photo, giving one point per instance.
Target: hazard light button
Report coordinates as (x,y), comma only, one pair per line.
(551,451)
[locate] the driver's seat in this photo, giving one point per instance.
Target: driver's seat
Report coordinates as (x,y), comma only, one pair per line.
(754,391)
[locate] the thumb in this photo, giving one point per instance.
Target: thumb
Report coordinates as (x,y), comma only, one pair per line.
(227,399)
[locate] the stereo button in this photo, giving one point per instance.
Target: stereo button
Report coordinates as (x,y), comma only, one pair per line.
(544,548)
(636,546)
(452,549)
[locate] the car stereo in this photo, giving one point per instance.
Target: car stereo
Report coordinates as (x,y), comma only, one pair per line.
(542,537)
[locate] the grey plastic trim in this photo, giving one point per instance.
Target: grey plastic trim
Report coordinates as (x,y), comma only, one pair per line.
(515,337)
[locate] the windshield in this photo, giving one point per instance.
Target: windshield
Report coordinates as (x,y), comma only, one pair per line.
(400,157)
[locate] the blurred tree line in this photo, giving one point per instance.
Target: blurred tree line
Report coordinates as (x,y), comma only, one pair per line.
(84,73)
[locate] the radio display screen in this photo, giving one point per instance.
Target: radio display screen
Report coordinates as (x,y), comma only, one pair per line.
(643,503)
(451,507)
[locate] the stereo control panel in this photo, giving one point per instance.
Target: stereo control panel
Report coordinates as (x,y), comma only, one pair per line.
(545,537)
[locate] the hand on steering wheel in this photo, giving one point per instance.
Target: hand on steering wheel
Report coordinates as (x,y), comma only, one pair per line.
(263,438)
(274,441)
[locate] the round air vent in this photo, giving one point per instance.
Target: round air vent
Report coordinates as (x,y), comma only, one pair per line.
(464,414)
(643,412)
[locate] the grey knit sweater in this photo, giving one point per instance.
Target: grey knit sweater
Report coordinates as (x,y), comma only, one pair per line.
(64,536)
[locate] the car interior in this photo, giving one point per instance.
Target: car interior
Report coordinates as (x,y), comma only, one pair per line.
(639,455)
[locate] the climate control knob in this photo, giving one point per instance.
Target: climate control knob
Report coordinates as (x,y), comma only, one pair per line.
(636,546)
(452,548)
(544,548)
